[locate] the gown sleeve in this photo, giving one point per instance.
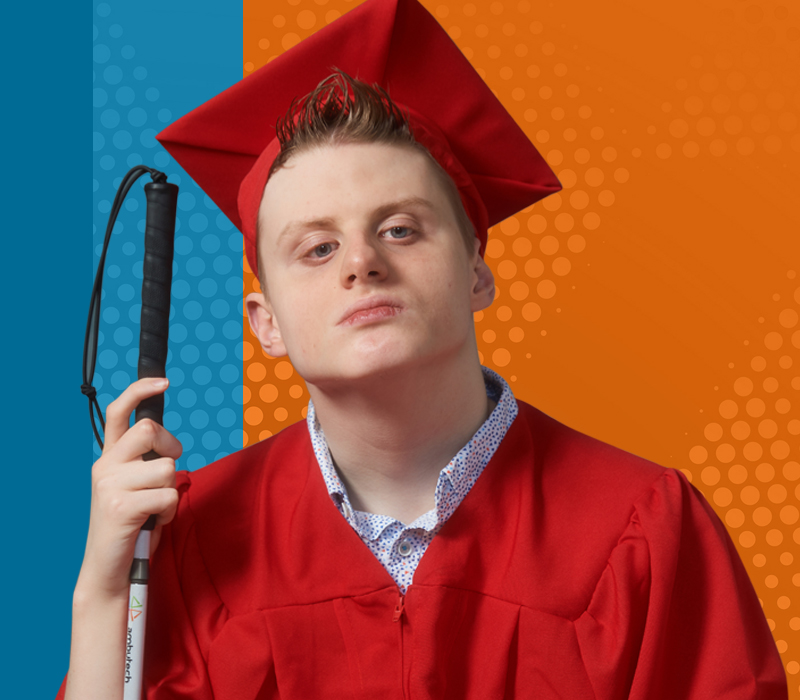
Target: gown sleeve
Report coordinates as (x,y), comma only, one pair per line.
(674,615)
(175,660)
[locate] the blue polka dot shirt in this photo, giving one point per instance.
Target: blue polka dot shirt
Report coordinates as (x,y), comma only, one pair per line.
(399,547)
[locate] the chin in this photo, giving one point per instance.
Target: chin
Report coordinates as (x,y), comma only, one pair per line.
(386,364)
(360,365)
(374,366)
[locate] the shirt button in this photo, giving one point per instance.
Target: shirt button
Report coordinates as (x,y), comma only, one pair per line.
(404,548)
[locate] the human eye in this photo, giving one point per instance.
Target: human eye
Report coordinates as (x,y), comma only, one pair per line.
(321,251)
(398,232)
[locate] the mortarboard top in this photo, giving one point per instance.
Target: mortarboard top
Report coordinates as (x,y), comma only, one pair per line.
(229,143)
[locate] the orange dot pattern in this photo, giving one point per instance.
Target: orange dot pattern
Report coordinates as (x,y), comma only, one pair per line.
(534,253)
(748,466)
(622,298)
(736,103)
(274,394)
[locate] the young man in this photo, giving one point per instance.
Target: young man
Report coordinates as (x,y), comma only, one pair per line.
(423,534)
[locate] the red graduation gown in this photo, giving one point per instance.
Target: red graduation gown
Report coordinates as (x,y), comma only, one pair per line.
(572,570)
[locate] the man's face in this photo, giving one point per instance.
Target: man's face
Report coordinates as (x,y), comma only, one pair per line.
(365,267)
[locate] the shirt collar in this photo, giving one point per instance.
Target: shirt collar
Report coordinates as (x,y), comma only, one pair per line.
(455,479)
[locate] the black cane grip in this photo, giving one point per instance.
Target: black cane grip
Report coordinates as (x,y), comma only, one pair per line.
(159,244)
(159,239)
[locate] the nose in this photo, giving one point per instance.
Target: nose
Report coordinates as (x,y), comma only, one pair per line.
(362,261)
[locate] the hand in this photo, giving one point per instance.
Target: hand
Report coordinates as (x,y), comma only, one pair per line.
(126,490)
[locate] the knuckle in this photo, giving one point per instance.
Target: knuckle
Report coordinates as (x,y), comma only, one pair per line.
(116,506)
(148,426)
(100,487)
(166,469)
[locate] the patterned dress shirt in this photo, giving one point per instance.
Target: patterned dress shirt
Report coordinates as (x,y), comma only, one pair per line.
(399,547)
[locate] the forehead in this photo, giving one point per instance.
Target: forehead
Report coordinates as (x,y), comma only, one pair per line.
(347,181)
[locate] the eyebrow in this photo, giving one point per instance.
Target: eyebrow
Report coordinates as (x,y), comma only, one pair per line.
(378,213)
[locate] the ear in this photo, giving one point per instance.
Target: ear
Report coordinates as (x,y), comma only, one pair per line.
(482,292)
(264,324)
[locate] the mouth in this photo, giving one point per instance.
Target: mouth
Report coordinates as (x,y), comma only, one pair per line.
(370,310)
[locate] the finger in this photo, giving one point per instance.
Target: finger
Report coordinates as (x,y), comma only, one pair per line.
(118,413)
(166,515)
(138,475)
(142,504)
(143,437)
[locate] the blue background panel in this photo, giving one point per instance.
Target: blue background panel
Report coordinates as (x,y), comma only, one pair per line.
(151,63)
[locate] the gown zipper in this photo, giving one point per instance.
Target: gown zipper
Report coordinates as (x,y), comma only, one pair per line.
(398,608)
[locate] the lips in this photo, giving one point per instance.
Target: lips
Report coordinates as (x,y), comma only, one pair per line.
(369,310)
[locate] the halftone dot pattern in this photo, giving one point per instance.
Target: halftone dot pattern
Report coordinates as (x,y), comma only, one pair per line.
(748,465)
(205,348)
(534,253)
(737,103)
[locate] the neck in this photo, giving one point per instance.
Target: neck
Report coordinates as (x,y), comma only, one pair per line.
(391,435)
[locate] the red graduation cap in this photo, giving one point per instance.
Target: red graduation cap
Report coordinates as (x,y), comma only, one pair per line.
(229,143)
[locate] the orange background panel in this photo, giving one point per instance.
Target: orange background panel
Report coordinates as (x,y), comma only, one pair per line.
(654,302)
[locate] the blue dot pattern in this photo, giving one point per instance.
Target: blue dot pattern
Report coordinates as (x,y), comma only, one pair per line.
(203,403)
(399,547)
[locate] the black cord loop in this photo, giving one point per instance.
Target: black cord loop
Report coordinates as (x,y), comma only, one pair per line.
(92,325)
